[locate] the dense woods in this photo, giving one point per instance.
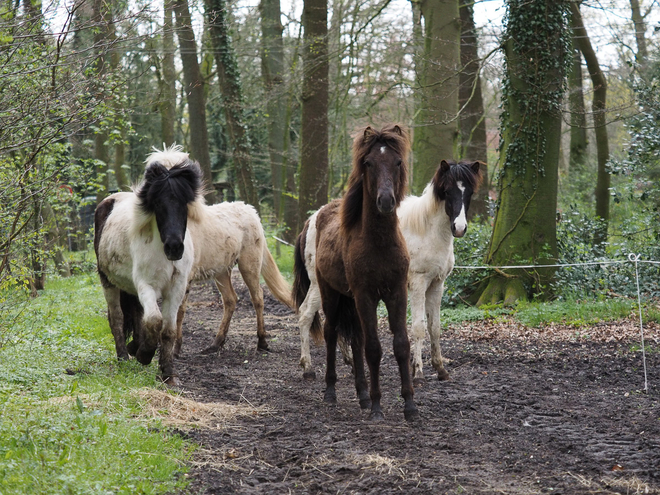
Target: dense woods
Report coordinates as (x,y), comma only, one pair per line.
(558,101)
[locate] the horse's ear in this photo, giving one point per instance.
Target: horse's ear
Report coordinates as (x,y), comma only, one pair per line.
(476,168)
(397,129)
(369,132)
(444,166)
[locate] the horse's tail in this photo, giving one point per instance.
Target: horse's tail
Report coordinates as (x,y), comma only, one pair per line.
(301,283)
(274,279)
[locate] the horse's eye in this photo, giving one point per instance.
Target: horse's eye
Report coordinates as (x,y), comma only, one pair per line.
(398,163)
(368,163)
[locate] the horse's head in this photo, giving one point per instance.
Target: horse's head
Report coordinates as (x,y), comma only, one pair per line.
(454,184)
(380,171)
(166,194)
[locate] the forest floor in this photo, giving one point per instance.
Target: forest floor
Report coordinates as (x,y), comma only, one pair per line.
(552,410)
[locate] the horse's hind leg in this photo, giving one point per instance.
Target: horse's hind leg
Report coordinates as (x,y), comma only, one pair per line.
(229,300)
(250,273)
(433,301)
(116,320)
(308,310)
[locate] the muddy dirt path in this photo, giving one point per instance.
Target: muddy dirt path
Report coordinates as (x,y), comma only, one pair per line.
(521,415)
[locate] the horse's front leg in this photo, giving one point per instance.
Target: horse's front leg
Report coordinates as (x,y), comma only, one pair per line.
(396,302)
(116,320)
(366,305)
(168,336)
(152,321)
(433,301)
(418,287)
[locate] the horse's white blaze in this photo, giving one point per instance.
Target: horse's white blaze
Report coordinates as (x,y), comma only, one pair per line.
(460,224)
(382,150)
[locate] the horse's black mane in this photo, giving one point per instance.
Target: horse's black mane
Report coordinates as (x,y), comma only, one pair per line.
(183,182)
(445,178)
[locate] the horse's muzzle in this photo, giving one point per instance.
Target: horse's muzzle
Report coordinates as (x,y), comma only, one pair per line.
(385,203)
(458,232)
(173,250)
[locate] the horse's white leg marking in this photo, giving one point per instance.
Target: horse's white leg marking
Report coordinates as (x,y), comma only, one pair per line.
(116,320)
(417,287)
(171,305)
(433,301)
(152,318)
(308,309)
(460,223)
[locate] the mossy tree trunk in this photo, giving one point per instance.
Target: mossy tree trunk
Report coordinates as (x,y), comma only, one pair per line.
(524,231)
(579,142)
(232,98)
(168,81)
(436,122)
(470,100)
(272,70)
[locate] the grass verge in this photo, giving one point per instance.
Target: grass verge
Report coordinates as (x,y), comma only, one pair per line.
(70,418)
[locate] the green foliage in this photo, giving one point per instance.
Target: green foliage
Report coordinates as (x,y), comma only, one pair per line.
(68,408)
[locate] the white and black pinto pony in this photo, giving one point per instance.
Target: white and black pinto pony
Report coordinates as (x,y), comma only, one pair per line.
(429,224)
(144,251)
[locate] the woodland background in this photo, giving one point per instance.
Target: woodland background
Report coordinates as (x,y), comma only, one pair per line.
(558,99)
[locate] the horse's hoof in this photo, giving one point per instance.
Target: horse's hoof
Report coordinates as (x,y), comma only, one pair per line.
(145,356)
(411,414)
(330,397)
(172,381)
(210,350)
(309,375)
(132,347)
(443,376)
(123,357)
(376,416)
(419,382)
(263,346)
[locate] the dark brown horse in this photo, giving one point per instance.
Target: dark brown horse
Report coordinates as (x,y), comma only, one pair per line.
(361,258)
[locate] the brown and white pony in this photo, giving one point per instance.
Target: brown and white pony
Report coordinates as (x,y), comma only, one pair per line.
(361,259)
(226,235)
(144,250)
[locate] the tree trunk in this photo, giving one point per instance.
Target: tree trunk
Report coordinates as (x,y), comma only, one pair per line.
(640,34)
(194,89)
(313,185)
(436,123)
(272,68)
(232,98)
(472,120)
(579,142)
(104,31)
(524,231)
(599,108)
(168,88)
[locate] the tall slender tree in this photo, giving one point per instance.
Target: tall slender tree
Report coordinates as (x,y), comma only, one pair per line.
(599,108)
(232,98)
(579,142)
(194,90)
(537,56)
(436,122)
(313,186)
(168,81)
(472,120)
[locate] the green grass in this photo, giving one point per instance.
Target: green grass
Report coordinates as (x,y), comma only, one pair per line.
(68,415)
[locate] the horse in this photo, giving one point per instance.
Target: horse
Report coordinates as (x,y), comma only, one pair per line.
(144,253)
(226,235)
(429,224)
(361,258)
